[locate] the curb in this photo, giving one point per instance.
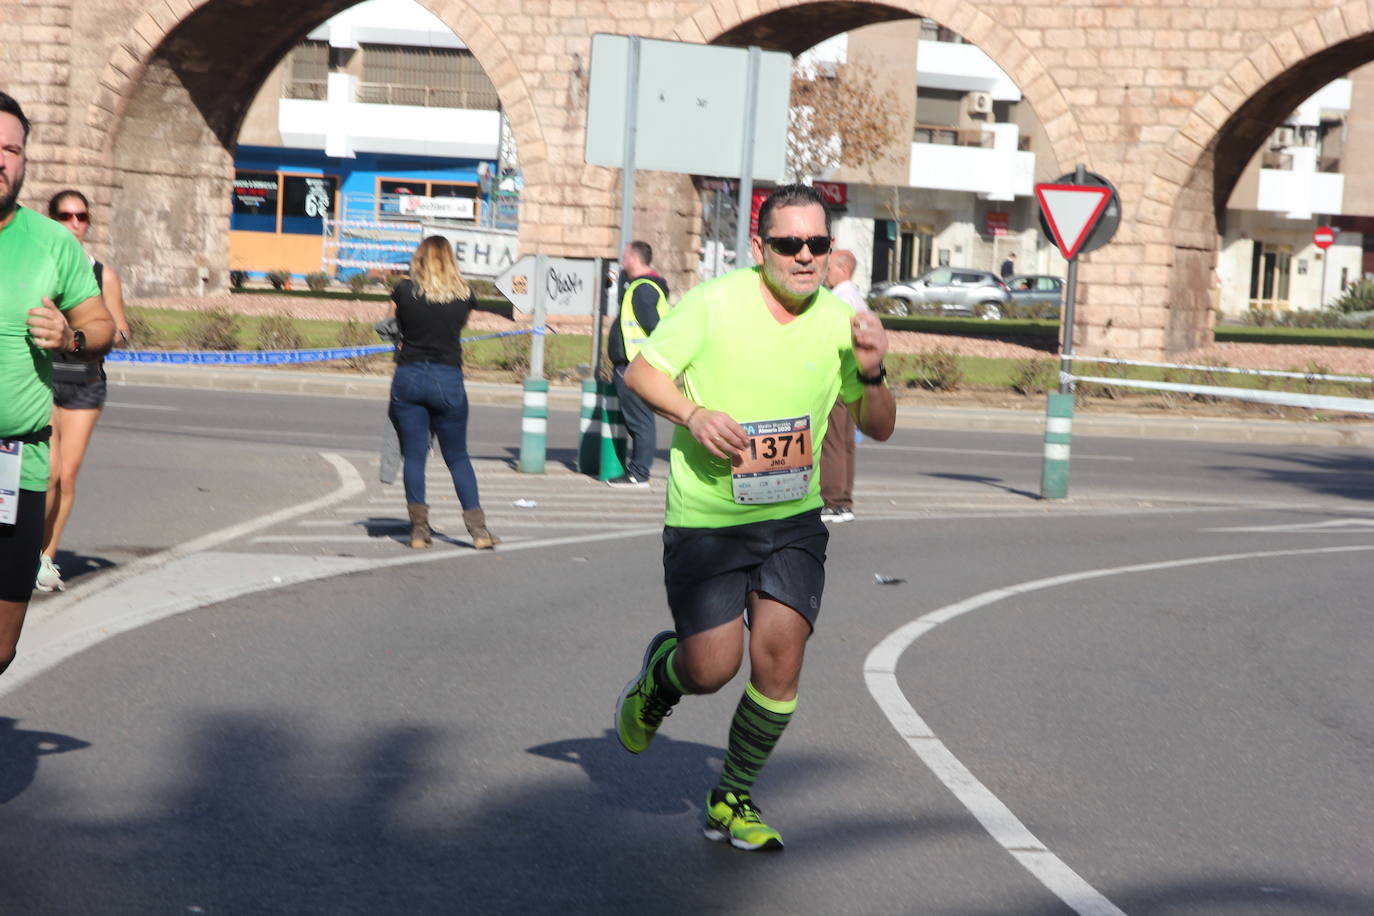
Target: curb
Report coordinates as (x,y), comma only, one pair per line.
(568,397)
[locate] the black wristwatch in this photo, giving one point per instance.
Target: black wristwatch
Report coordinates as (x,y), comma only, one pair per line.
(872,379)
(78,342)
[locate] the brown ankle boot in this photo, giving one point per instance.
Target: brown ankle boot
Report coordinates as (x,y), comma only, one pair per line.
(419,525)
(476,520)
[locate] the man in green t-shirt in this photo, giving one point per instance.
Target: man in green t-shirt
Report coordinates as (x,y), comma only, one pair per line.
(49,301)
(763,353)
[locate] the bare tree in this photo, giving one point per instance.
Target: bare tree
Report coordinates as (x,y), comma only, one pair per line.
(840,116)
(845,115)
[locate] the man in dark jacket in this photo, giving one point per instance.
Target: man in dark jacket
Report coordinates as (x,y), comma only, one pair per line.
(643,301)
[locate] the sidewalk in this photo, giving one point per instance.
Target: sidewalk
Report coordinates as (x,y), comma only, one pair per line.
(339,384)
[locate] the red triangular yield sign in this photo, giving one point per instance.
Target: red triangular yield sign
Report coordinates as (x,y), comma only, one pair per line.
(1072,211)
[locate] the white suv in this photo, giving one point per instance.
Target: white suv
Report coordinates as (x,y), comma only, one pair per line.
(944,291)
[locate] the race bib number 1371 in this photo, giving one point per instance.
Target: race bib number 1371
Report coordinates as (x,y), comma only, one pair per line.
(777,464)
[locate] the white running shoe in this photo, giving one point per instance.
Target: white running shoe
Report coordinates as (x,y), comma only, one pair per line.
(49,575)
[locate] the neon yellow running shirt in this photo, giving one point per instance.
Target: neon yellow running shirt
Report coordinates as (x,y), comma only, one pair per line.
(735,356)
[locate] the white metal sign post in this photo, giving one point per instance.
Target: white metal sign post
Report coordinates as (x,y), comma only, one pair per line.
(1072,211)
(540,284)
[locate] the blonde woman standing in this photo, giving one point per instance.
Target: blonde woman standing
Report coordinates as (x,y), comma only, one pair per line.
(427,392)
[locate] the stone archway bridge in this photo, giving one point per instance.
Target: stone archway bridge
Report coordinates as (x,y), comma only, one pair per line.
(140,101)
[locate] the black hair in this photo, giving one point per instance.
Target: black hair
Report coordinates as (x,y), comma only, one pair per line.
(790,195)
(9,106)
(643,250)
(60,195)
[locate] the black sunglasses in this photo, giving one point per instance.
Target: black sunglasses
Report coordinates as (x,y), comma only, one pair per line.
(789,245)
(66,216)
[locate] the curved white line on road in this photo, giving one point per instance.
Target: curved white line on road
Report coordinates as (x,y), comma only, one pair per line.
(69,631)
(880,673)
(81,618)
(350,485)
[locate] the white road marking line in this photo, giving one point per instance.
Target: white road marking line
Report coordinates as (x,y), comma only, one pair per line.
(239,432)
(880,669)
(1334,526)
(883,446)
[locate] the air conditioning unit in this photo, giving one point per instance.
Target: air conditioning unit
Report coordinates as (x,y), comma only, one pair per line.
(1284,136)
(980,102)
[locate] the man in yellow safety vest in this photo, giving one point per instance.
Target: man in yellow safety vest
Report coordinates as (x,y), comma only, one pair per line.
(643,301)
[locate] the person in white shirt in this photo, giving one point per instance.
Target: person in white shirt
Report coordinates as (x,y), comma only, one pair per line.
(837,450)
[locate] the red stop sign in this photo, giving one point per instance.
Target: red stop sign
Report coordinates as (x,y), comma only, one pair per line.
(1323,237)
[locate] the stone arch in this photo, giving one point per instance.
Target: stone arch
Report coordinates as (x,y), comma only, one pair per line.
(170,63)
(777,24)
(1184,201)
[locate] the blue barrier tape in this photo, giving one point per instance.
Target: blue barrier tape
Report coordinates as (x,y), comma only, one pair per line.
(270,357)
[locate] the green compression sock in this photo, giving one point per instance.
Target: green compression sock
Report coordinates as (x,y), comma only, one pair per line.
(758,724)
(665,676)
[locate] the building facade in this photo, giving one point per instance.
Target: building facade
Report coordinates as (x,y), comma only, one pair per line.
(381,116)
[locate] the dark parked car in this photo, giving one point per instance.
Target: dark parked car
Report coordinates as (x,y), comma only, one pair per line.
(1037,290)
(944,291)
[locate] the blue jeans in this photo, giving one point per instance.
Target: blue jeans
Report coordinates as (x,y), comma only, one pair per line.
(425,397)
(639,423)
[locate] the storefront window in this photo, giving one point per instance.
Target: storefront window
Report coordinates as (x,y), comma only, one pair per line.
(307,200)
(255,201)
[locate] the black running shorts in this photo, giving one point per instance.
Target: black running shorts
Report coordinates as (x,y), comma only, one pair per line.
(709,572)
(20,545)
(80,395)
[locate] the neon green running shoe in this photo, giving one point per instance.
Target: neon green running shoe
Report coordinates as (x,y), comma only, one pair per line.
(734,817)
(642,705)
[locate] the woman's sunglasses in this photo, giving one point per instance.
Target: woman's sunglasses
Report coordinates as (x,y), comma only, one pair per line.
(64,216)
(789,245)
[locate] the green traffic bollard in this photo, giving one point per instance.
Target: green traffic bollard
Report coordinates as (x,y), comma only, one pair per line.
(534,426)
(612,434)
(1054,468)
(589,430)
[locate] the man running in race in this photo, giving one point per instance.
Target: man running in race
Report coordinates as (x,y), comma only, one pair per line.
(763,353)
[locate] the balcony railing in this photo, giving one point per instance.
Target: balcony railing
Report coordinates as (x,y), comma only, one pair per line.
(316,90)
(1273,159)
(952,136)
(480,99)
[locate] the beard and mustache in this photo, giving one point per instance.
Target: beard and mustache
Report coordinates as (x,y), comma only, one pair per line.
(9,198)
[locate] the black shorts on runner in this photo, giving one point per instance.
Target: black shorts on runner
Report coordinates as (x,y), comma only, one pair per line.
(20,545)
(80,395)
(709,572)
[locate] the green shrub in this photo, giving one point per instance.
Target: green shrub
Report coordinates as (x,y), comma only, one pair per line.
(1357,297)
(279,332)
(354,333)
(237,278)
(1307,318)
(513,355)
(358,282)
(318,281)
(143,334)
(1210,379)
(1310,383)
(392,279)
(1083,391)
(937,370)
(212,329)
(280,278)
(1034,311)
(1035,376)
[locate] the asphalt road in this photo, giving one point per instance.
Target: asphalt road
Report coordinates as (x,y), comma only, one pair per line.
(1152,698)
